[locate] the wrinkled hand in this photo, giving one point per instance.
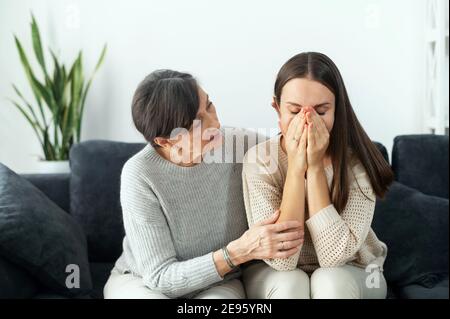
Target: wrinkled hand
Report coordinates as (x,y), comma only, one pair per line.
(267,240)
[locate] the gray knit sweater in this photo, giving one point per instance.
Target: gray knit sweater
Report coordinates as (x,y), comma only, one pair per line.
(176,217)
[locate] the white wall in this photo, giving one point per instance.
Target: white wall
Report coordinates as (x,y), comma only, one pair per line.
(234,47)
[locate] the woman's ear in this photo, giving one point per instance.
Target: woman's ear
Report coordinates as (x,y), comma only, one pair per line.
(162,142)
(275,105)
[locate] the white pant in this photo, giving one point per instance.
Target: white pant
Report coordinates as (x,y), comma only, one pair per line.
(346,282)
(128,286)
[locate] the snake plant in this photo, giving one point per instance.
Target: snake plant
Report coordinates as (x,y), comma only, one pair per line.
(60,95)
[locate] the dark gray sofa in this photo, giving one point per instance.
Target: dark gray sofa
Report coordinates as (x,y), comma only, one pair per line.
(91,195)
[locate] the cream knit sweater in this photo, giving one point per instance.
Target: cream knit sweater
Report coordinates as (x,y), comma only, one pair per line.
(331,238)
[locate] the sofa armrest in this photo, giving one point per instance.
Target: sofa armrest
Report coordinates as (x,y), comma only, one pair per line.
(421,162)
(55,186)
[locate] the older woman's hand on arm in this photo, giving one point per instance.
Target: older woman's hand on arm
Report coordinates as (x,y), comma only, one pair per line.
(264,240)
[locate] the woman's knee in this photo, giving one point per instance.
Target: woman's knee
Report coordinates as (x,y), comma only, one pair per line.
(334,283)
(293,284)
(262,281)
(128,286)
(232,289)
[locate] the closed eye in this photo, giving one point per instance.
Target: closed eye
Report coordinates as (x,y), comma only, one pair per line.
(317,113)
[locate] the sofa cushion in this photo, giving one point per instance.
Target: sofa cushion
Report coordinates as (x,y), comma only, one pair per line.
(15,282)
(54,186)
(421,162)
(95,194)
(415,291)
(39,236)
(414,227)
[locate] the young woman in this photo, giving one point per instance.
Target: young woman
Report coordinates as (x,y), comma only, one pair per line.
(183,209)
(323,171)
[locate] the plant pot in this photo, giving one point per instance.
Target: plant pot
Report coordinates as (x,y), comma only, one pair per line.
(53,167)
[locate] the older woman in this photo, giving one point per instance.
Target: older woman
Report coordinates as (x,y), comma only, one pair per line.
(183,210)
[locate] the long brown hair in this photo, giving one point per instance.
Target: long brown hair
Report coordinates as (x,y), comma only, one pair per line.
(347,132)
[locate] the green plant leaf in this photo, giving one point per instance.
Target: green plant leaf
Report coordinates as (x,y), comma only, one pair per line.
(66,88)
(37,46)
(45,92)
(58,79)
(30,108)
(39,90)
(57,82)
(101,59)
(27,68)
(30,76)
(76,84)
(86,90)
(51,154)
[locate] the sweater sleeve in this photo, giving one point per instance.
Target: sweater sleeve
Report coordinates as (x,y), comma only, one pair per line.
(262,197)
(151,242)
(338,237)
